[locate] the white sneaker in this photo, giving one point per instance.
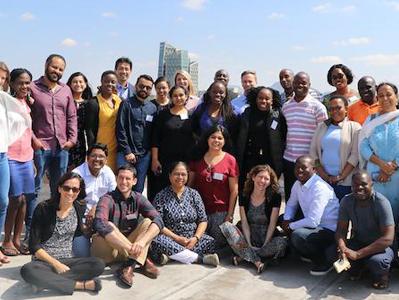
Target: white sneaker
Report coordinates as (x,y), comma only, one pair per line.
(211,259)
(164,259)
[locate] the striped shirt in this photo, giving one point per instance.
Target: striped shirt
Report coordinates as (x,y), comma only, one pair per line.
(302,119)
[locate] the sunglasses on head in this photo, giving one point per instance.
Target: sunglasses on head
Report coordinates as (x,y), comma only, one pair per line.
(66,188)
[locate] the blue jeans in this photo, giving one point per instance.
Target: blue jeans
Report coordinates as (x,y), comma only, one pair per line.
(56,162)
(313,243)
(81,246)
(4,187)
(142,164)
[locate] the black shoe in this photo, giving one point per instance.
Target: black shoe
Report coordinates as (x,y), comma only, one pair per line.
(320,270)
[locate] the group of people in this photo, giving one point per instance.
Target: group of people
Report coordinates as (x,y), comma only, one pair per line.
(337,153)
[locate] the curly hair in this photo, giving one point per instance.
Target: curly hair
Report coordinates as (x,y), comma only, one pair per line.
(254,92)
(249,183)
(348,73)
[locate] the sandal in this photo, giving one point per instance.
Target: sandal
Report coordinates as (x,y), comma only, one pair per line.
(236,260)
(10,251)
(260,268)
(97,285)
(24,250)
(382,283)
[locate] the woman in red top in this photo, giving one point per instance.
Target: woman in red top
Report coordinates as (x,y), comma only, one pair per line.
(215,175)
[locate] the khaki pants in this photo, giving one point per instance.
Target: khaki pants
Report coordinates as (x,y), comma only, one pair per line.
(108,253)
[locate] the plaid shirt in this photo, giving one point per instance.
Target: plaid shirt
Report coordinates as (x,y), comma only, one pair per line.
(124,213)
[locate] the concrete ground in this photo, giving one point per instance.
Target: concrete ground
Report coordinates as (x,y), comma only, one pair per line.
(289,280)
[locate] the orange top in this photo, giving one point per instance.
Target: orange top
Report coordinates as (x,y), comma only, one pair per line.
(360,110)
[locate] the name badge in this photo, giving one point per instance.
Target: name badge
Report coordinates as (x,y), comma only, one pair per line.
(149,118)
(274,125)
(218,176)
(184,116)
(131,216)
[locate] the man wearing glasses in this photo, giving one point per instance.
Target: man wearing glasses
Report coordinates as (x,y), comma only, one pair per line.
(99,180)
(133,130)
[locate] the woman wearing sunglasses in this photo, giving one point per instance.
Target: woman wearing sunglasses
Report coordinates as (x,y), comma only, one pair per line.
(214,174)
(340,77)
(55,223)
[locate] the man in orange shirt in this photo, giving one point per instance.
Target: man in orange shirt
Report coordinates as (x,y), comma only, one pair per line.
(368,103)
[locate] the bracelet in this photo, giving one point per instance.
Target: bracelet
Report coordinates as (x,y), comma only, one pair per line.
(195,236)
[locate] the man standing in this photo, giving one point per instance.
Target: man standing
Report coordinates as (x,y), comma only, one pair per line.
(123,70)
(373,230)
(122,236)
(313,234)
(54,124)
(303,113)
(248,81)
(368,104)
(99,180)
(286,77)
(133,129)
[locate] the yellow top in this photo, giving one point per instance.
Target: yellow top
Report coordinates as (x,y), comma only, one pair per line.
(107,126)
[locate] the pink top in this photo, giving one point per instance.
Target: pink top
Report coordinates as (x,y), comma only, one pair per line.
(21,150)
(213,184)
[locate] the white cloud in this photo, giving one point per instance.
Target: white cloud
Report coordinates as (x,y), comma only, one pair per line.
(354,41)
(322,8)
(298,48)
(348,8)
(194,4)
(68,42)
(28,16)
(378,59)
(326,59)
(275,16)
(108,14)
(193,56)
(394,5)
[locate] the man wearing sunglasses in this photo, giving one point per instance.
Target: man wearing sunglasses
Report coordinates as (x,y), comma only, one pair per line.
(133,129)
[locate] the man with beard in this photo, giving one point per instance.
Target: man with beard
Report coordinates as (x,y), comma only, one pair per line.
(303,113)
(372,231)
(54,124)
(123,70)
(133,129)
(368,103)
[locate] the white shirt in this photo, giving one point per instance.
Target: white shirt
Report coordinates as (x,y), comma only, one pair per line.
(239,104)
(98,186)
(318,203)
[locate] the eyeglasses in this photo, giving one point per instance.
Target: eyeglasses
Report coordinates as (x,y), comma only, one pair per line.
(74,190)
(208,177)
(338,76)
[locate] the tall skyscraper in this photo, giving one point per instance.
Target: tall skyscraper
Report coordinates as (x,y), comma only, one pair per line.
(172,59)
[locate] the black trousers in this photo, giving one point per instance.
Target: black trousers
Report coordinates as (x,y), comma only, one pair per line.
(42,274)
(289,178)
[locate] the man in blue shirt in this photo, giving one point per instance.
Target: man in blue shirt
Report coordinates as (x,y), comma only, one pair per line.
(133,129)
(123,70)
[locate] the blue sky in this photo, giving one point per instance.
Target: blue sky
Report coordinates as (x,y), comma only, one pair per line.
(236,35)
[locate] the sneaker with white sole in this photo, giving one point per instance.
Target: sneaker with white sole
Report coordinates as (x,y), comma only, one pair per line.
(305,259)
(320,270)
(211,259)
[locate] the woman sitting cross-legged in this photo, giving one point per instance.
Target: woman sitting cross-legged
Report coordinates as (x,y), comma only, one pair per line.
(54,225)
(183,238)
(259,211)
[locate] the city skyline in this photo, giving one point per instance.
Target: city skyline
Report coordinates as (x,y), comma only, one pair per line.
(260,35)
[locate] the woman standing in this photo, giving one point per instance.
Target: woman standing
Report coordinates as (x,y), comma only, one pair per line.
(101,117)
(335,147)
(172,139)
(215,110)
(20,160)
(13,124)
(340,77)
(54,225)
(215,175)
(379,145)
(183,238)
(259,211)
(262,134)
(162,88)
(81,94)
(183,79)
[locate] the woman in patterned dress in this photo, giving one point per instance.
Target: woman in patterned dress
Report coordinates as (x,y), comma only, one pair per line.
(183,238)
(259,211)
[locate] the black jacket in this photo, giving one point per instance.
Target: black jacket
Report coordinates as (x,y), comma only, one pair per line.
(277,138)
(91,121)
(43,223)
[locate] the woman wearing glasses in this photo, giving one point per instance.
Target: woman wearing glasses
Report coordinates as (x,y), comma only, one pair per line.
(215,175)
(55,223)
(340,77)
